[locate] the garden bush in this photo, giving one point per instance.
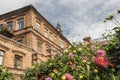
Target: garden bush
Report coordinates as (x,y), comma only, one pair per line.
(76,63)
(5,74)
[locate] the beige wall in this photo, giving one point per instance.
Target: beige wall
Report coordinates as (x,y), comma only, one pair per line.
(11,48)
(31,36)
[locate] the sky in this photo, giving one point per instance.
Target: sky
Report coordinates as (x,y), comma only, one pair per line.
(78,18)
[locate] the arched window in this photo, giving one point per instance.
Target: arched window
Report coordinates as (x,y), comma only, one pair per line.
(1,57)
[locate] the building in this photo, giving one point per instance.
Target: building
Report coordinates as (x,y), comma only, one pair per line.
(101,40)
(26,38)
(87,40)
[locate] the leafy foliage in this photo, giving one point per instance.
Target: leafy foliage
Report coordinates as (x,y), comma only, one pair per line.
(76,63)
(113,48)
(5,74)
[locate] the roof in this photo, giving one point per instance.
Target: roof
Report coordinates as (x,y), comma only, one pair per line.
(25,9)
(18,11)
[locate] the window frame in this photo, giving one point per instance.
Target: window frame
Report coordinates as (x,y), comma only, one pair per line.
(16,61)
(51,36)
(39,48)
(55,53)
(1,25)
(2,56)
(55,39)
(48,49)
(46,32)
(9,27)
(38,25)
(62,45)
(19,27)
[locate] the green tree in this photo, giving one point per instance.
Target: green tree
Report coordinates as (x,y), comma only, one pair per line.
(113,48)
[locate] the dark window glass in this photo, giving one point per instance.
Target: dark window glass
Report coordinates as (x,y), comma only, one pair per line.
(20,41)
(18,61)
(1,26)
(20,23)
(10,25)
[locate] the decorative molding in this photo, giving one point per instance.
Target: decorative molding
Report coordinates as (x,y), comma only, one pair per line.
(19,37)
(16,69)
(4,47)
(19,52)
(12,42)
(13,17)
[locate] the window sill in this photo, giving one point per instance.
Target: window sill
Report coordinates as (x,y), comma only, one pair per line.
(21,69)
(18,68)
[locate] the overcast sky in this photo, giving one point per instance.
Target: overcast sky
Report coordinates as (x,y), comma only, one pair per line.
(78,18)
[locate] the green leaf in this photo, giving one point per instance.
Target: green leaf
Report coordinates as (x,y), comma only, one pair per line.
(118,11)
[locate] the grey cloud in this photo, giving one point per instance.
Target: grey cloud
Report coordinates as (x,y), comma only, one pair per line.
(78,18)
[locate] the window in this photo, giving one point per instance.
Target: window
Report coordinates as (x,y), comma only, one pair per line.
(46,32)
(62,45)
(55,37)
(51,38)
(10,25)
(55,53)
(37,26)
(1,26)
(20,41)
(18,61)
(39,47)
(1,57)
(20,23)
(48,49)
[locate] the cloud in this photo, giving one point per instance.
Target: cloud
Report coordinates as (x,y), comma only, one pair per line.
(78,18)
(9,5)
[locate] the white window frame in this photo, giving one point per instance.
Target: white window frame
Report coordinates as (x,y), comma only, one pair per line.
(46,32)
(51,36)
(20,24)
(62,45)
(2,56)
(38,26)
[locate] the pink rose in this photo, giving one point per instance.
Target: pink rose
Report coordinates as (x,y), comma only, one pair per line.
(101,61)
(100,53)
(70,55)
(68,77)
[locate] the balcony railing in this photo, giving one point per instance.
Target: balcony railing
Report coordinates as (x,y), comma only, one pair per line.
(6,31)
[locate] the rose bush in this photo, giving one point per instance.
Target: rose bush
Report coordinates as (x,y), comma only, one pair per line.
(76,63)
